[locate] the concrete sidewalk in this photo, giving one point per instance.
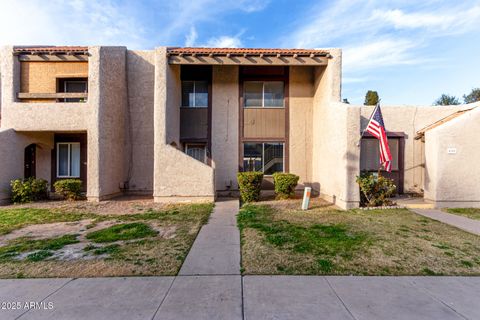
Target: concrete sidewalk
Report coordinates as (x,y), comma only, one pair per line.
(256,297)
(466,224)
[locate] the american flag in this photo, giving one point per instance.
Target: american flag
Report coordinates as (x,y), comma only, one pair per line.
(376,128)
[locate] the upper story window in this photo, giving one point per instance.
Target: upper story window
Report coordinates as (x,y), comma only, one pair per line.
(195,94)
(264,94)
(73,85)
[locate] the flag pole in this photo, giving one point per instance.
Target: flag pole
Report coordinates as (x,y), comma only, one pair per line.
(363,132)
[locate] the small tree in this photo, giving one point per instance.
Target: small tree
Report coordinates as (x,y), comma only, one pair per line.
(446,100)
(371,98)
(473,96)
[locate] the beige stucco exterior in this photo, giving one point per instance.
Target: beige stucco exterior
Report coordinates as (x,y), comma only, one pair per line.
(225,126)
(452,154)
(132,122)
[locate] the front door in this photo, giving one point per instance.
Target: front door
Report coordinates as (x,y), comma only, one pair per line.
(29,166)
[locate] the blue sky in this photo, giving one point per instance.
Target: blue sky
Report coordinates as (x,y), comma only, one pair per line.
(409,51)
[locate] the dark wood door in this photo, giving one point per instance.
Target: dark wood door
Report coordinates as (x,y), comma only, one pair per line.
(30,159)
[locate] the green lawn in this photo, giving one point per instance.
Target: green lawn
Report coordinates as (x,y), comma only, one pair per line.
(151,242)
(472,213)
(278,240)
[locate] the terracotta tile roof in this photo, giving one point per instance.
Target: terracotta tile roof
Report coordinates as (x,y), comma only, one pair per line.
(421,133)
(247,51)
(50,49)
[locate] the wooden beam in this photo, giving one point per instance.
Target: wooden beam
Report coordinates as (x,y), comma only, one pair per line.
(59,95)
(53,57)
(249,60)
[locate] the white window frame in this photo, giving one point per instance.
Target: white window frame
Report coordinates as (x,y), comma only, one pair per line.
(194,93)
(263,95)
(196,145)
(69,164)
(263,154)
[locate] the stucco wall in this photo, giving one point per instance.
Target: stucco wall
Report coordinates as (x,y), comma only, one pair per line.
(41,77)
(300,120)
(225,126)
(409,120)
(39,116)
(111,120)
(12,153)
(452,179)
(141,73)
(334,159)
(176,175)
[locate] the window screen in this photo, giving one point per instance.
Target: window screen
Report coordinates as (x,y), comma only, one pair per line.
(370,154)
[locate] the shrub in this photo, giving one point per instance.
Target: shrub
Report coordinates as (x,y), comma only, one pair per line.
(285,184)
(69,188)
(250,184)
(375,191)
(28,190)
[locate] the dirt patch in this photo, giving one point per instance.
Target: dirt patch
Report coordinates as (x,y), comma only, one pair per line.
(117,206)
(47,230)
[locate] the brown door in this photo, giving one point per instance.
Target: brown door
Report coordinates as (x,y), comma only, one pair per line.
(369,157)
(29,167)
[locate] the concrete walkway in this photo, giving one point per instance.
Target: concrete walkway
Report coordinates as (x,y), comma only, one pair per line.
(469,225)
(216,251)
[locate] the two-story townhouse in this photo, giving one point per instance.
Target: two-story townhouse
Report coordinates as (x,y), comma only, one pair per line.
(179,123)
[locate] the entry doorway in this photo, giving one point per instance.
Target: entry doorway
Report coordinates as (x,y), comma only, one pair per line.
(30,161)
(370,154)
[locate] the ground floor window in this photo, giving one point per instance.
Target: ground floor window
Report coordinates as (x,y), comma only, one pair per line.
(68,160)
(370,154)
(267,157)
(197,151)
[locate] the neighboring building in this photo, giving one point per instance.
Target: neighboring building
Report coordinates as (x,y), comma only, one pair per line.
(179,123)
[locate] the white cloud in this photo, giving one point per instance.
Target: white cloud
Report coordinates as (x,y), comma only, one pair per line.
(135,24)
(378,54)
(459,20)
(63,22)
(191,37)
(377,34)
(224,42)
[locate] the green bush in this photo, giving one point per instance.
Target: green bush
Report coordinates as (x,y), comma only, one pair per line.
(250,184)
(28,190)
(285,184)
(375,191)
(71,189)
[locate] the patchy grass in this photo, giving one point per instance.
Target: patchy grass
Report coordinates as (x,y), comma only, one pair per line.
(278,240)
(39,255)
(122,232)
(472,213)
(152,242)
(11,219)
(22,245)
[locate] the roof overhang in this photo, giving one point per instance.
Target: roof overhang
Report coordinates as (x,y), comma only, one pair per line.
(51,53)
(421,133)
(246,56)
